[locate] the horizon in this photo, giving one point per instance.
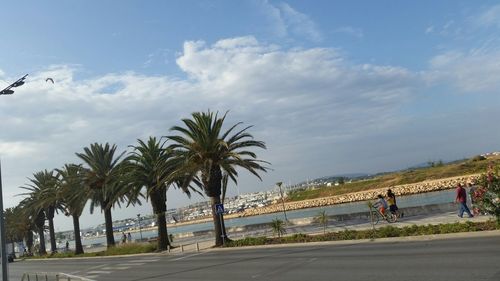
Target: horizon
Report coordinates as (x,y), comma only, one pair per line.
(331,88)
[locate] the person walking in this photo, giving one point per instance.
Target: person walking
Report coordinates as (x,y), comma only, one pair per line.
(129,238)
(461,199)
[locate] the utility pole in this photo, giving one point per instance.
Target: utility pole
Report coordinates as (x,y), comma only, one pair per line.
(5,274)
(282,199)
(140,226)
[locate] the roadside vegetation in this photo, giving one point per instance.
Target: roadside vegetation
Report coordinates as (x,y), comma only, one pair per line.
(383,232)
(487,194)
(322,219)
(125,249)
(278,227)
(435,170)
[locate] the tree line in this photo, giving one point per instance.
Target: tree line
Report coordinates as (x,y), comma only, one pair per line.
(199,156)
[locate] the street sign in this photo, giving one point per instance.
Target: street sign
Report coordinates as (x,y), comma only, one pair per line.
(219,209)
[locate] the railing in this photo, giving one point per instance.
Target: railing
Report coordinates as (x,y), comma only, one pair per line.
(51,276)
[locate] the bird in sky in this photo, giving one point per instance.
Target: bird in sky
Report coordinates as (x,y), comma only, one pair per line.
(49,79)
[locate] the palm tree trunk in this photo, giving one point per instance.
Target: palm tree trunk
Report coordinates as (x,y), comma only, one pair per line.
(78,238)
(158,199)
(163,241)
(42,251)
(219,227)
(52,234)
(110,238)
(29,241)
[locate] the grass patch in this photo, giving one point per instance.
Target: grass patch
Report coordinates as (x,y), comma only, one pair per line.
(126,249)
(383,232)
(458,168)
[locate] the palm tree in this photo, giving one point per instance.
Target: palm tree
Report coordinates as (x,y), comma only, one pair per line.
(322,218)
(207,157)
(278,227)
(35,214)
(105,179)
(73,194)
(18,226)
(44,189)
(13,231)
(151,169)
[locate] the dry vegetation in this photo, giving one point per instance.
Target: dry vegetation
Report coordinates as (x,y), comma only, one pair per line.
(465,167)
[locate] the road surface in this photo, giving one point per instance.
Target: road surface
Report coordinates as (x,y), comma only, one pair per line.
(463,258)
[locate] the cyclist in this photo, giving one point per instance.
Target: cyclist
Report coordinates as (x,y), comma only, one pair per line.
(391,199)
(381,204)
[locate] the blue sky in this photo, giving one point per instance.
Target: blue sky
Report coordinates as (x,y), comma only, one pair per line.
(331,86)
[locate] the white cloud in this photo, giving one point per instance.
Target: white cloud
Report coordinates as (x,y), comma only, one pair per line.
(474,71)
(18,149)
(429,29)
(158,57)
(286,21)
(356,32)
(490,17)
(470,62)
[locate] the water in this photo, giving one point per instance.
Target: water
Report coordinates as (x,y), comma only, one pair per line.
(422,199)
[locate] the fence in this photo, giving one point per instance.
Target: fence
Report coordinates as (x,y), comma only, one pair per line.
(51,276)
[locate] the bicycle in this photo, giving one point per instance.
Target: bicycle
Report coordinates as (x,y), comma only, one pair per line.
(376,215)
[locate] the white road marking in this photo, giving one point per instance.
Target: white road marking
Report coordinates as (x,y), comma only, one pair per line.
(115,267)
(146,260)
(99,272)
(188,256)
(92,267)
(92,276)
(131,264)
(77,277)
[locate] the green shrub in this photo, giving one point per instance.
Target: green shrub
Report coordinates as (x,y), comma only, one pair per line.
(248,241)
(127,249)
(297,238)
(388,231)
(409,230)
(478,158)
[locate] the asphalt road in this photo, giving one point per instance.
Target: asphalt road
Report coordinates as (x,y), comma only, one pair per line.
(468,259)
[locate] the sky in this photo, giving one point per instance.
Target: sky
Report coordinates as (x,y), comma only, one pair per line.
(331,87)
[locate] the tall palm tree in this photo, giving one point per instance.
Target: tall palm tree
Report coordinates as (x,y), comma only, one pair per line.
(105,179)
(44,189)
(151,169)
(13,229)
(18,226)
(207,156)
(74,196)
(35,214)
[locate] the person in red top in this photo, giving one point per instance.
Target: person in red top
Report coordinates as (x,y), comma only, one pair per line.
(461,199)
